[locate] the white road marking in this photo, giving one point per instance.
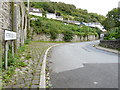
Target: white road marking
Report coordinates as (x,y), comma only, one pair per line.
(42,83)
(95,83)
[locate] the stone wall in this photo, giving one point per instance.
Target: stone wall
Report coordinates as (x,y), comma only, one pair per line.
(5,18)
(114,44)
(43,37)
(20,23)
(5,22)
(13,17)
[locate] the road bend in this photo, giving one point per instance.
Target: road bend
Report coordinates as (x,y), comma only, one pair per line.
(80,65)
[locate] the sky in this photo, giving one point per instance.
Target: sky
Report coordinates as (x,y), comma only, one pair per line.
(96,6)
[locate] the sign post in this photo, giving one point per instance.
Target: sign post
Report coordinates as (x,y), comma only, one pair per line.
(9,35)
(12,48)
(6,54)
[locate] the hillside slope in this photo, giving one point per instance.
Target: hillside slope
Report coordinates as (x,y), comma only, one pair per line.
(68,11)
(53,28)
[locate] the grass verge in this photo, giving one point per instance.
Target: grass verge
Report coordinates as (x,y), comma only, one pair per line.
(14,62)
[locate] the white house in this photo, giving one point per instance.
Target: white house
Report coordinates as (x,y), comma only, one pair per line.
(71,21)
(51,15)
(35,11)
(98,25)
(59,18)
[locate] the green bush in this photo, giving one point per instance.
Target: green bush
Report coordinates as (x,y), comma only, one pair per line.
(113,34)
(68,36)
(11,59)
(21,49)
(28,56)
(27,41)
(54,28)
(53,34)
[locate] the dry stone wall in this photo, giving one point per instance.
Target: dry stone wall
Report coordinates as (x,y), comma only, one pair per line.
(5,22)
(20,23)
(43,37)
(13,17)
(114,44)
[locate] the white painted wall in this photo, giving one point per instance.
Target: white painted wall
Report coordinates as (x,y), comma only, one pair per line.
(59,19)
(51,16)
(36,14)
(77,23)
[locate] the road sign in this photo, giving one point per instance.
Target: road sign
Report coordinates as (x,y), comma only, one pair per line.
(10,35)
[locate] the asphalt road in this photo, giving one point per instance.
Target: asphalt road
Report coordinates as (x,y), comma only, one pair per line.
(80,65)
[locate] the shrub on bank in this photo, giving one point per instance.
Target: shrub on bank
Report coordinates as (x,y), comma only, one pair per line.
(113,34)
(68,35)
(54,28)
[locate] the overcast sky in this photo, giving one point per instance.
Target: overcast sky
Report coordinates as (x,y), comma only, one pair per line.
(96,6)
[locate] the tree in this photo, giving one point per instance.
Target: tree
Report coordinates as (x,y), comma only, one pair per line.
(108,23)
(113,19)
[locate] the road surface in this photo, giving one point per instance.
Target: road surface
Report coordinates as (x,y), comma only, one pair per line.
(80,65)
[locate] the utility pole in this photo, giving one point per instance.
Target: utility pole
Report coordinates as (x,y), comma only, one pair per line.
(28,7)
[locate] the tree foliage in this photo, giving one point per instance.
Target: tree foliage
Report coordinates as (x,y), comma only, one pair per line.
(113,34)
(68,9)
(68,35)
(112,24)
(113,19)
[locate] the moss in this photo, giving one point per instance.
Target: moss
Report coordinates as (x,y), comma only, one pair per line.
(14,63)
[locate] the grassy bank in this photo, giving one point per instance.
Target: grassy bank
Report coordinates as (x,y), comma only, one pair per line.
(53,28)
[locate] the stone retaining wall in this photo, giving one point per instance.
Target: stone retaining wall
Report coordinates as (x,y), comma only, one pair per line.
(13,17)
(114,44)
(43,37)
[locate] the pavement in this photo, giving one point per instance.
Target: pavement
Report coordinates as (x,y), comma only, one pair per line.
(80,65)
(29,76)
(107,49)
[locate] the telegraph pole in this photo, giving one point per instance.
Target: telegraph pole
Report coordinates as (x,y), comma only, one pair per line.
(28,7)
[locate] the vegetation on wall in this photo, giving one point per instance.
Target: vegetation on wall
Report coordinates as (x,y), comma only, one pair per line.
(53,28)
(113,34)
(68,35)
